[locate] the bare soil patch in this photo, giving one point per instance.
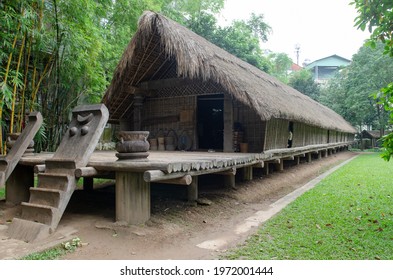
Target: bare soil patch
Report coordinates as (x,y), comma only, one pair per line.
(176,227)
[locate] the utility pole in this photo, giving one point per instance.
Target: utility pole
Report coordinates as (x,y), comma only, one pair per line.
(297,51)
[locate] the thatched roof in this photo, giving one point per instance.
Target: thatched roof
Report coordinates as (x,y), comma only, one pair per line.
(373,133)
(161,44)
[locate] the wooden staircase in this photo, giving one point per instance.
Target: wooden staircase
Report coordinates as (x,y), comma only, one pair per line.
(48,201)
(45,208)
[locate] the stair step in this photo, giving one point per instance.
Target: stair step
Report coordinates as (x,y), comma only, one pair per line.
(53,181)
(43,196)
(59,164)
(38,213)
(27,230)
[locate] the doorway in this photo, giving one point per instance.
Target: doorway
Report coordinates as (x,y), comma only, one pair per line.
(210,120)
(290,135)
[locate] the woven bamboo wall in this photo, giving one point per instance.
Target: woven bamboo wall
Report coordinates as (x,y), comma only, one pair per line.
(173,110)
(252,127)
(299,135)
(277,134)
(333,136)
(303,135)
(176,115)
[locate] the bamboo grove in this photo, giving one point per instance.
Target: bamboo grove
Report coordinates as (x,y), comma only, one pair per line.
(42,66)
(56,54)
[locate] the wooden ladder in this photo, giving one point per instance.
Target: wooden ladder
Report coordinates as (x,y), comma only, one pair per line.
(48,201)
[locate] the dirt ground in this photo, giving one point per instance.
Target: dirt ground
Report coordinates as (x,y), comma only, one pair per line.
(178,229)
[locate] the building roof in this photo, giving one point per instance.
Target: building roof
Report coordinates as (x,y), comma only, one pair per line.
(373,133)
(161,46)
(296,67)
(333,60)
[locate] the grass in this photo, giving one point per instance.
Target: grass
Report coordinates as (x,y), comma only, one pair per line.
(51,254)
(347,216)
(56,252)
(2,193)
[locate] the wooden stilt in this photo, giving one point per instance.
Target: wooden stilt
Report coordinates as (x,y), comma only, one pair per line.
(247,173)
(88,183)
(279,165)
(18,184)
(266,169)
(192,190)
(308,157)
(229,181)
(132,198)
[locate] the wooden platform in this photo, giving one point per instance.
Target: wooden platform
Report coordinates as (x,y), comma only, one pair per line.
(133,177)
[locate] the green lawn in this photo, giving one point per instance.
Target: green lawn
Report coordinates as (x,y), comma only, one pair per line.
(348,215)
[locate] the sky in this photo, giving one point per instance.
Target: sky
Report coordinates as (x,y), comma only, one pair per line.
(320,27)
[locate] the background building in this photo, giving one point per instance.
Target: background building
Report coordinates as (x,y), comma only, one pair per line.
(323,69)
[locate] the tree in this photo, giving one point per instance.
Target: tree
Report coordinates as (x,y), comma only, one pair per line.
(23,61)
(280,65)
(377,16)
(184,11)
(350,93)
(303,81)
(241,38)
(56,54)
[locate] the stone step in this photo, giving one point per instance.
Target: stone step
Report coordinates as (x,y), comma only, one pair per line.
(47,197)
(53,181)
(38,213)
(28,231)
(57,164)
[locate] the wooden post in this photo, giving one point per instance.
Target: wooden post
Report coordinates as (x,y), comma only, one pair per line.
(18,184)
(132,198)
(247,173)
(228,124)
(138,103)
(229,181)
(192,190)
(280,165)
(125,124)
(88,183)
(309,157)
(266,169)
(297,160)
(185,180)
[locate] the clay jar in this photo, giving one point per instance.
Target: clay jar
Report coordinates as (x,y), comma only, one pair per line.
(133,142)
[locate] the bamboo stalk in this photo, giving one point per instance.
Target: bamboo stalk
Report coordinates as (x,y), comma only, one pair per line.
(35,90)
(23,105)
(2,146)
(15,85)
